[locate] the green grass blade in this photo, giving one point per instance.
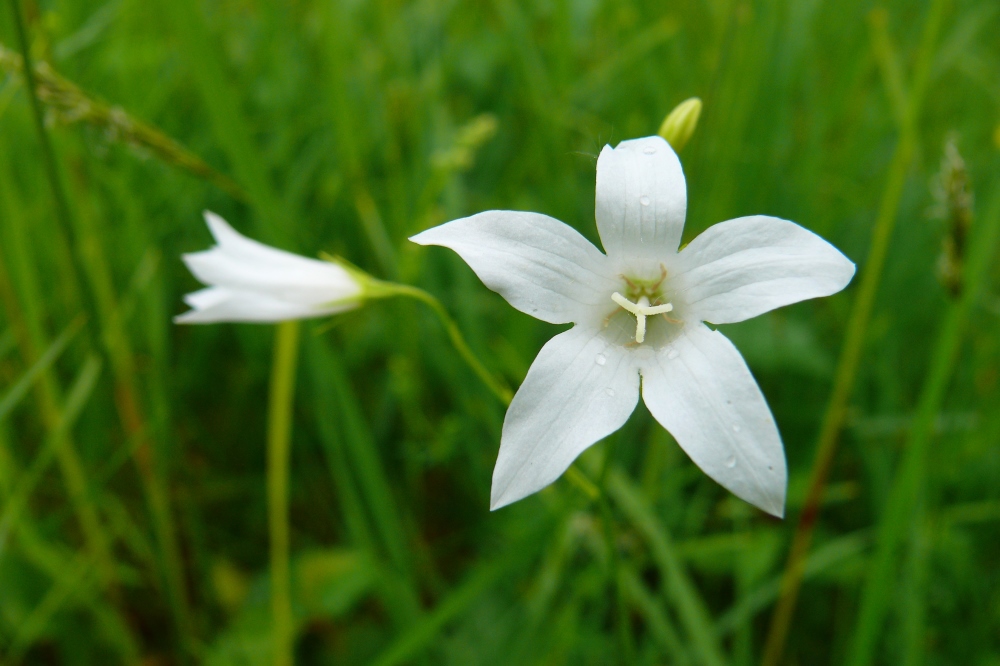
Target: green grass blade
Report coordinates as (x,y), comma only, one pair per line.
(680,589)
(880,584)
(16,393)
(363,456)
(855,336)
(75,401)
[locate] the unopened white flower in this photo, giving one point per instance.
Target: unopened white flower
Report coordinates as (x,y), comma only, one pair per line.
(638,312)
(252,282)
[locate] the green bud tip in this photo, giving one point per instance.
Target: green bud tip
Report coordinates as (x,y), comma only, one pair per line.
(679,125)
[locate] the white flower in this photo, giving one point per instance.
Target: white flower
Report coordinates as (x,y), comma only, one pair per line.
(252,282)
(638,312)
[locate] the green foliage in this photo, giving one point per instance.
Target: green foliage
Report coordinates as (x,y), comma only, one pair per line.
(133,497)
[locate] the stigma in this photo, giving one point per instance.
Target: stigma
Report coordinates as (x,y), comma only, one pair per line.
(641,310)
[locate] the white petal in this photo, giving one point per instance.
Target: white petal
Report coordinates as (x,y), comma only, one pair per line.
(641,199)
(543,267)
(700,390)
(244,264)
(582,387)
(221,304)
(739,269)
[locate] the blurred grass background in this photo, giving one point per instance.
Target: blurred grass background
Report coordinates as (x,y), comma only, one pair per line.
(134,519)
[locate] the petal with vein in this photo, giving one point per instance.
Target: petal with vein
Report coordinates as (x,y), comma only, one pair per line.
(241,263)
(221,304)
(581,388)
(700,389)
(745,267)
(641,199)
(543,267)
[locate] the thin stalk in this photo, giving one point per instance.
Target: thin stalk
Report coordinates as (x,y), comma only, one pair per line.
(63,216)
(622,628)
(126,399)
(70,104)
(909,480)
(854,342)
(502,393)
(342,420)
(679,589)
(279,435)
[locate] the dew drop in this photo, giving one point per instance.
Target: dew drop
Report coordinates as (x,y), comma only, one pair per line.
(729,402)
(649,150)
(644,200)
(672,354)
(600,359)
(770,467)
(610,391)
(731,462)
(736,428)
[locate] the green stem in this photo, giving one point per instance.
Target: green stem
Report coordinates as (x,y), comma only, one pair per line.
(627,655)
(502,393)
(850,357)
(279,434)
(904,495)
(63,216)
(126,398)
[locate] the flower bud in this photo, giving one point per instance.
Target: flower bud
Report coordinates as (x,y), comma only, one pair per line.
(252,282)
(678,127)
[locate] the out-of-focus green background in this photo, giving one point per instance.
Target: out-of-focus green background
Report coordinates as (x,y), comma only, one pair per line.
(133,505)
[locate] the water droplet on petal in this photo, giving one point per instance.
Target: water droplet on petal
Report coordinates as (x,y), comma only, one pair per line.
(729,402)
(600,359)
(731,462)
(770,467)
(672,354)
(736,428)
(649,150)
(644,200)
(610,391)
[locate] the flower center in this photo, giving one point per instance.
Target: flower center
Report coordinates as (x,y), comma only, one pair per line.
(641,310)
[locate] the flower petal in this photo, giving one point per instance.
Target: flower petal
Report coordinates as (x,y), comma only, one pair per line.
(700,390)
(221,304)
(244,264)
(543,267)
(582,387)
(641,199)
(739,269)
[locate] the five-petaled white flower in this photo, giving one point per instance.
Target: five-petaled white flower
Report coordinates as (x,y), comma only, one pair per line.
(252,282)
(638,313)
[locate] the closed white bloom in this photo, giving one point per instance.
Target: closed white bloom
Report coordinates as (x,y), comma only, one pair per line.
(252,282)
(639,314)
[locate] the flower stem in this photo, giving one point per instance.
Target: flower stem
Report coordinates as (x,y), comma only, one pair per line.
(279,434)
(854,341)
(497,388)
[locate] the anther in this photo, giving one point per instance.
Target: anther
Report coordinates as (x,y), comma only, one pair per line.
(641,310)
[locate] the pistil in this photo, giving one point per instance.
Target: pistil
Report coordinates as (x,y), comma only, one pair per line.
(641,310)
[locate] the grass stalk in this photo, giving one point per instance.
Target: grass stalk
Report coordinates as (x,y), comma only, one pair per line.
(907,485)
(279,436)
(854,340)
(622,623)
(126,399)
(71,105)
(375,512)
(32,340)
(61,204)
(680,590)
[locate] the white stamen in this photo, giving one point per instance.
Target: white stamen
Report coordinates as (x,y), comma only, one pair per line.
(641,310)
